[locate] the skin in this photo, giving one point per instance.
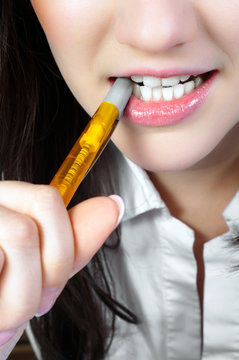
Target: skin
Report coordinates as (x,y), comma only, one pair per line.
(86,39)
(38,233)
(92,41)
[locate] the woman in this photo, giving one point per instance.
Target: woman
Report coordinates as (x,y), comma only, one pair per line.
(157,293)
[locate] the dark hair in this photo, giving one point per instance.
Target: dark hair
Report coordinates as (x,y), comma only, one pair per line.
(39,120)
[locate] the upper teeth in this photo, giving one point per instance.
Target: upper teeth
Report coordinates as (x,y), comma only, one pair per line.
(154,88)
(152,81)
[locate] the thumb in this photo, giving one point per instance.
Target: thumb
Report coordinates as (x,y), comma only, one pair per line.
(92,222)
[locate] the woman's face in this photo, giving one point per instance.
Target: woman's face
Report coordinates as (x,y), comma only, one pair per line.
(94,41)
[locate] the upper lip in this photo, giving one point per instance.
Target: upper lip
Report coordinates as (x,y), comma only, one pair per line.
(163,73)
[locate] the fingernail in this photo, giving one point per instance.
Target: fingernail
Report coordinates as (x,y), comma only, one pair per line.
(5,336)
(48,299)
(119,201)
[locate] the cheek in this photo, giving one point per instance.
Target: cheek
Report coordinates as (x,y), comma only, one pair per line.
(58,20)
(220,20)
(69,25)
(77,33)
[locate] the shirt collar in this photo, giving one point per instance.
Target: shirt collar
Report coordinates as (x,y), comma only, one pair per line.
(136,189)
(231,212)
(140,195)
(231,216)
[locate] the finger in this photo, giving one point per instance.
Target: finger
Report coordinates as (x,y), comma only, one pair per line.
(57,242)
(2,258)
(8,341)
(45,205)
(92,222)
(20,278)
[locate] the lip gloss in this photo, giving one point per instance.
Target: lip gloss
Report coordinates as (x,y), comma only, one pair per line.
(93,140)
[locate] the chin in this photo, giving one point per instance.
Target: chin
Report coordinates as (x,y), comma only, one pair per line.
(166,163)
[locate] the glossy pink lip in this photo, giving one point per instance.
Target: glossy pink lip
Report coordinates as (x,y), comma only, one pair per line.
(164,113)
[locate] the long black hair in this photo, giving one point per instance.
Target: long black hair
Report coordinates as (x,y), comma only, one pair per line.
(39,121)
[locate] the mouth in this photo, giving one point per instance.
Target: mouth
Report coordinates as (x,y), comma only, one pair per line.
(164,101)
(149,88)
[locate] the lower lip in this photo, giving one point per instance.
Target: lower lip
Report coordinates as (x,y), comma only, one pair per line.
(164,113)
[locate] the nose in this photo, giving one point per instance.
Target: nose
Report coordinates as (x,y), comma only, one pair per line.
(155,25)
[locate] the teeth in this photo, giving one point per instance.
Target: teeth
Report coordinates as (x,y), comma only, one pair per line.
(157,93)
(136,90)
(178,91)
(184,78)
(174,80)
(137,79)
(151,81)
(166,89)
(198,81)
(167,93)
(189,86)
(146,93)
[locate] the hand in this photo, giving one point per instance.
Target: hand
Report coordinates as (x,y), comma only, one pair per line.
(41,246)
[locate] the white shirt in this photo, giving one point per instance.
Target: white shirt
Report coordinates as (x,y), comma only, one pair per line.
(155,274)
